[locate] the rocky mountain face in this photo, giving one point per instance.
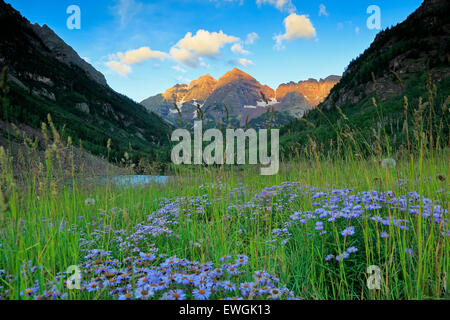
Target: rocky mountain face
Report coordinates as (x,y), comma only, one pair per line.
(46,76)
(200,89)
(239,99)
(176,93)
(397,56)
(235,92)
(65,54)
(238,77)
(314,91)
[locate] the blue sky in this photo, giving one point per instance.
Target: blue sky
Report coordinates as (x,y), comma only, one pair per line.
(146,46)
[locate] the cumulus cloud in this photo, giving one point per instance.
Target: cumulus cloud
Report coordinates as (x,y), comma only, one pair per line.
(251,38)
(119,67)
(189,51)
(245,62)
(139,55)
(237,48)
(192,48)
(121,62)
(242,62)
(282,5)
(323,10)
(297,27)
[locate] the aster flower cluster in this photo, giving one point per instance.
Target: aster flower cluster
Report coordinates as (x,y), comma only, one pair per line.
(140,264)
(143,272)
(342,210)
(156,276)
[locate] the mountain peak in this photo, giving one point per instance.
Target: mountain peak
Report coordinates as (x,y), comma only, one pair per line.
(237,71)
(313,90)
(206,76)
(49,77)
(245,98)
(176,93)
(333,78)
(234,76)
(201,88)
(65,53)
(202,81)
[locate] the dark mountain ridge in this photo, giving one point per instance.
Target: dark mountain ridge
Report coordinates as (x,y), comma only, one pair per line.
(48,77)
(412,60)
(397,55)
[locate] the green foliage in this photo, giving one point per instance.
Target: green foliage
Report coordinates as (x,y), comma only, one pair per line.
(131,128)
(52,225)
(369,125)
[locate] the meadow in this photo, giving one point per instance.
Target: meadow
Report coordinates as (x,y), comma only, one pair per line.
(310,232)
(347,225)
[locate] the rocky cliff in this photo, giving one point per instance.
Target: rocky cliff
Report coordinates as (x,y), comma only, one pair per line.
(412,60)
(46,76)
(239,98)
(313,90)
(65,54)
(398,55)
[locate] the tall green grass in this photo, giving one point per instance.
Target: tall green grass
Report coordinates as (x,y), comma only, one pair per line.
(45,218)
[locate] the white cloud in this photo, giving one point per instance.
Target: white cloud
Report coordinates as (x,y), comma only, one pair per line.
(191,49)
(184,56)
(237,48)
(121,62)
(357,30)
(179,69)
(282,5)
(242,62)
(119,67)
(86,59)
(245,62)
(139,55)
(297,27)
(323,10)
(251,38)
(126,10)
